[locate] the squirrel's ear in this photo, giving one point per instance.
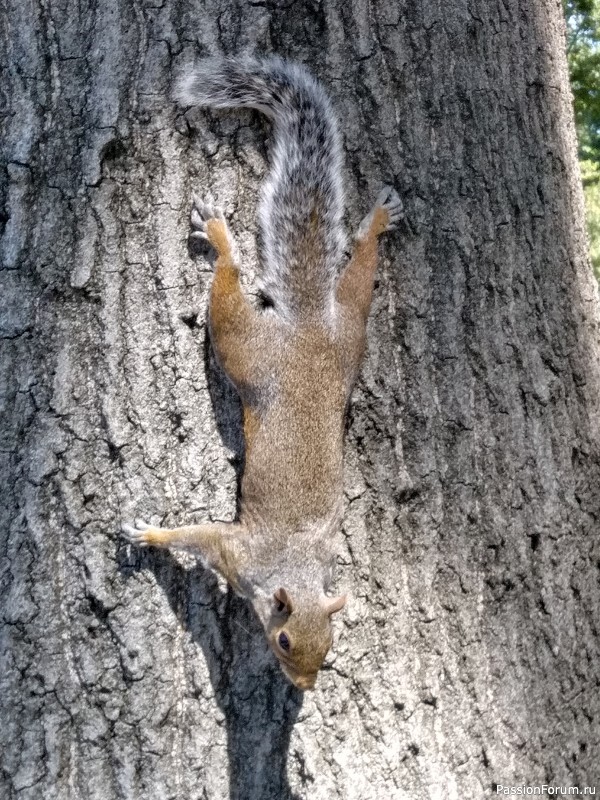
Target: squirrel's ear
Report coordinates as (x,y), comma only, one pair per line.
(282,601)
(333,604)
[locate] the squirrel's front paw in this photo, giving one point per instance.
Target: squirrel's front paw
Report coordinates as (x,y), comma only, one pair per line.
(389,200)
(140,534)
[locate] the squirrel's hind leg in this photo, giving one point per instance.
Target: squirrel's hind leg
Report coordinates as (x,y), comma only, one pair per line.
(241,336)
(355,286)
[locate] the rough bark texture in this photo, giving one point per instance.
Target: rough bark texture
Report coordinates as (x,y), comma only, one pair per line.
(468,656)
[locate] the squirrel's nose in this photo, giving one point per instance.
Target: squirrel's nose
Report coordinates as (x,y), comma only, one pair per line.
(305,682)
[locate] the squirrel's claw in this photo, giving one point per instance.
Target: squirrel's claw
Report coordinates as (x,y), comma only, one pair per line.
(202,212)
(197,221)
(389,199)
(137,534)
(383,195)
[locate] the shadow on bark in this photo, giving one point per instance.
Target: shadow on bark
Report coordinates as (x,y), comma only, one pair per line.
(259,704)
(227,411)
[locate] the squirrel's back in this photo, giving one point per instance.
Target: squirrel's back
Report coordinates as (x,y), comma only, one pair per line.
(302,199)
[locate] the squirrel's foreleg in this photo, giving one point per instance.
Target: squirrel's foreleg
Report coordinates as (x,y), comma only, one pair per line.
(218,543)
(355,286)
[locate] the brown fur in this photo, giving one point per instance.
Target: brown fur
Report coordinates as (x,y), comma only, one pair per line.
(294,382)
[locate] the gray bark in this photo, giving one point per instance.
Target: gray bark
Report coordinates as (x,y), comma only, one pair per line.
(468,655)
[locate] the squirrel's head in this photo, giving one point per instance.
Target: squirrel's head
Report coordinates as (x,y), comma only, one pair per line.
(299,632)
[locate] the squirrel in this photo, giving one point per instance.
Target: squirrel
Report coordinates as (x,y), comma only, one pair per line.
(293,363)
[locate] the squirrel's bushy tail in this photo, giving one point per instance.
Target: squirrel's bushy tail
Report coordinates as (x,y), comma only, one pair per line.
(302,200)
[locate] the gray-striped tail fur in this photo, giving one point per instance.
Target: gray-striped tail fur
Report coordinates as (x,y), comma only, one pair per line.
(302,199)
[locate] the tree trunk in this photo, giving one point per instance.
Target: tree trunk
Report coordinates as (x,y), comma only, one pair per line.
(468,656)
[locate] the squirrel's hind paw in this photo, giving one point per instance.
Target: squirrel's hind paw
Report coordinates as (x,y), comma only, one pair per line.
(389,199)
(138,534)
(375,223)
(202,212)
(208,222)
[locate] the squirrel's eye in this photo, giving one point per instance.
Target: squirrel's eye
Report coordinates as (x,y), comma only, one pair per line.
(284,641)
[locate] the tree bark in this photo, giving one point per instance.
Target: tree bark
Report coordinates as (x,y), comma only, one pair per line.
(468,656)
